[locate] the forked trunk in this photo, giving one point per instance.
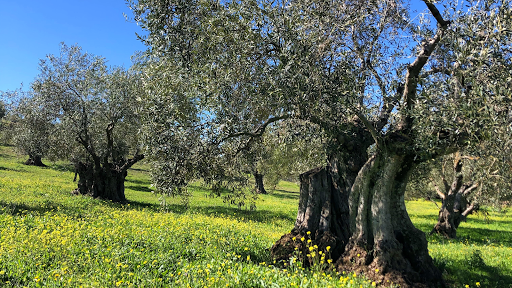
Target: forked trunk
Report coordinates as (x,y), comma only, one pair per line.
(258,178)
(455,207)
(454,210)
(35,160)
(101,182)
(367,226)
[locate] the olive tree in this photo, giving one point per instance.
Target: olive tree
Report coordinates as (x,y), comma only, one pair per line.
(96,115)
(32,130)
(238,67)
(454,179)
(3,110)
(6,121)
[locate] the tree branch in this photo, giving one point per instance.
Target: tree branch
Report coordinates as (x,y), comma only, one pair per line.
(436,14)
(258,131)
(110,142)
(470,209)
(445,182)
(438,191)
(414,69)
(436,70)
(469,189)
(130,162)
(370,127)
(457,175)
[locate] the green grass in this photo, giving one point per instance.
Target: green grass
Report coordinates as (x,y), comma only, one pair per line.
(51,238)
(481,253)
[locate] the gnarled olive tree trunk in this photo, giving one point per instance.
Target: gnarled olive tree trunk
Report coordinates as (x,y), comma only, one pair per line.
(453,211)
(367,225)
(323,211)
(35,160)
(384,244)
(455,207)
(103,181)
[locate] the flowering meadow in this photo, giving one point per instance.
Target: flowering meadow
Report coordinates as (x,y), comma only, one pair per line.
(51,238)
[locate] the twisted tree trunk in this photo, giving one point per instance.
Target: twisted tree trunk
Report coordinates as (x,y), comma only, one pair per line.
(323,212)
(455,207)
(103,177)
(384,244)
(103,181)
(367,226)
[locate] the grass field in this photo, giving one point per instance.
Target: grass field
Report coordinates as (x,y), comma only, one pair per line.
(50,238)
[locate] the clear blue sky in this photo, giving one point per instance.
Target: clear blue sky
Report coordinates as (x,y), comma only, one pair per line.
(32,29)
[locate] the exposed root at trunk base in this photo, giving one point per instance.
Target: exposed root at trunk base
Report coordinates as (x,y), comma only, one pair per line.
(387,265)
(297,243)
(377,237)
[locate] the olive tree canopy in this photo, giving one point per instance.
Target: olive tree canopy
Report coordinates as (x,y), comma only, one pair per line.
(388,91)
(96,118)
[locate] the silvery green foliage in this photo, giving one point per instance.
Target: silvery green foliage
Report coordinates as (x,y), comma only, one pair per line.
(8,119)
(34,127)
(292,148)
(93,107)
(3,110)
(466,92)
(219,73)
(28,125)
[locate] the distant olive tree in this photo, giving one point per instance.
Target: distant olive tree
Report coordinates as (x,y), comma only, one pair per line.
(3,110)
(32,129)
(5,124)
(96,115)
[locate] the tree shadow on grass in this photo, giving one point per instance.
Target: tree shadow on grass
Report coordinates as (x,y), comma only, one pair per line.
(11,281)
(62,167)
(480,236)
(139,188)
(485,236)
(283,194)
(139,169)
(18,209)
(473,269)
(13,169)
(262,216)
(138,205)
(477,236)
(135,181)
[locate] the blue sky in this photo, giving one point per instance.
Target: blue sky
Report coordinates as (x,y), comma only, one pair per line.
(32,29)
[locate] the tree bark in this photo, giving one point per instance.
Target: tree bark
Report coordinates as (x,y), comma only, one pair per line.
(454,210)
(384,244)
(104,182)
(35,160)
(260,188)
(323,212)
(367,226)
(455,207)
